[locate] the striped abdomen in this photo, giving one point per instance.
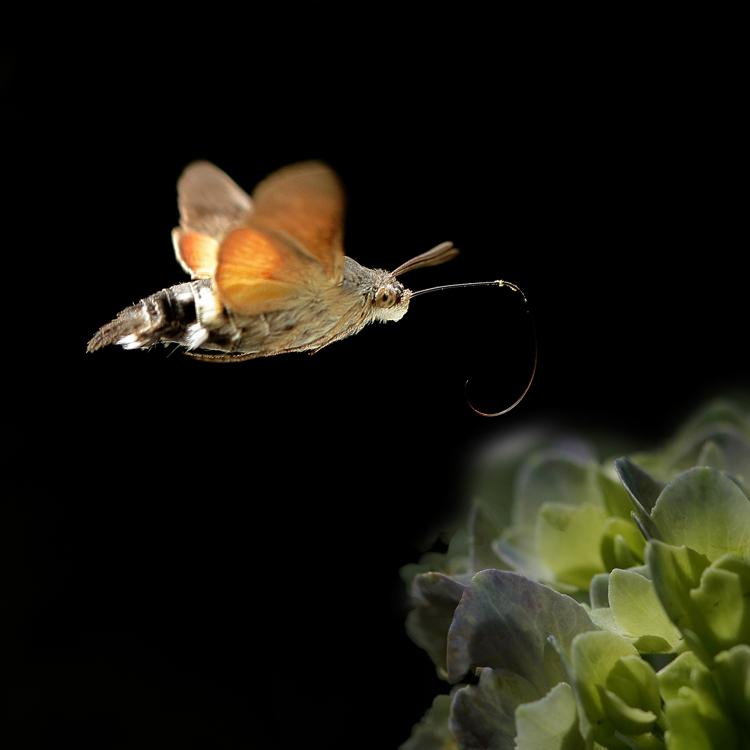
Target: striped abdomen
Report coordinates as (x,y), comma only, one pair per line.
(176,314)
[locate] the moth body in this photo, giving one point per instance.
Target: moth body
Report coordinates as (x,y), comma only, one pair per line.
(193,315)
(269,274)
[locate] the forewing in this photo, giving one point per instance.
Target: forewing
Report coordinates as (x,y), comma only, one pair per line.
(304,203)
(259,272)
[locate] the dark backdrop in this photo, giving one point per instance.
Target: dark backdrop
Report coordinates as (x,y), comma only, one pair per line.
(210,553)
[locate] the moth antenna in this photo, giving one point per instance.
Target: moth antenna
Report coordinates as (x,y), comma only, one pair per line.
(439,254)
(499,282)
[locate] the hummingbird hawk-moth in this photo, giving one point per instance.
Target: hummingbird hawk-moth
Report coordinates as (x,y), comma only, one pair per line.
(268,272)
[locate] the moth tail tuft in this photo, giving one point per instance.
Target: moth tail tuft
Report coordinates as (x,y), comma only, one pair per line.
(133,328)
(164,316)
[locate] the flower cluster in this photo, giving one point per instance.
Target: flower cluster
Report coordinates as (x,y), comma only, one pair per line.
(607,607)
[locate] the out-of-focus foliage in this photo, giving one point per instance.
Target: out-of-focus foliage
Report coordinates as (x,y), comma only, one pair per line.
(589,605)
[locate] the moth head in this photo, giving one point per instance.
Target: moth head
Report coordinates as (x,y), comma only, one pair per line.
(390,299)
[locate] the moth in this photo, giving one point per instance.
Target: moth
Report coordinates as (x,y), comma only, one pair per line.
(268,272)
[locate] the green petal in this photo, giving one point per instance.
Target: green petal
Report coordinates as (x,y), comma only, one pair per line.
(711,607)
(638,611)
(552,477)
(504,620)
(568,540)
(643,489)
(483,715)
(721,604)
(432,732)
(732,675)
(428,623)
(634,681)
(706,511)
(622,544)
(593,655)
(624,718)
(695,714)
(551,723)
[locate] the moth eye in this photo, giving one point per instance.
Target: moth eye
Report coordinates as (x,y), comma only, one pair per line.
(385,298)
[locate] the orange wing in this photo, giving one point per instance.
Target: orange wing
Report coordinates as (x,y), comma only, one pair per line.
(197,253)
(289,246)
(259,272)
(211,204)
(263,253)
(305,203)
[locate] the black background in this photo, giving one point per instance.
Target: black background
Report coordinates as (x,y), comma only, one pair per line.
(209,554)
